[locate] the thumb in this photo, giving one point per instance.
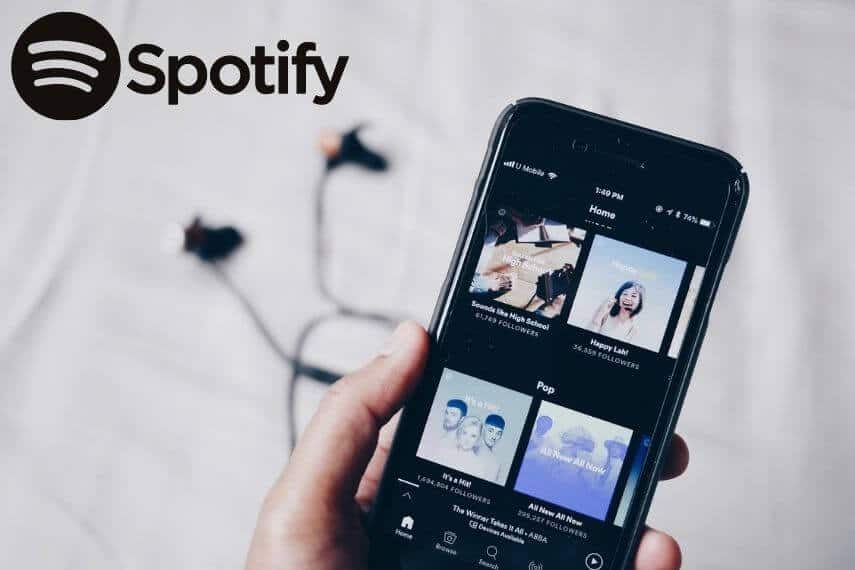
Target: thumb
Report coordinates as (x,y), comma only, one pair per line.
(335,448)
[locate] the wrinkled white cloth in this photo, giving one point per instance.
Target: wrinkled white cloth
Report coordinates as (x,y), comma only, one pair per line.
(140,416)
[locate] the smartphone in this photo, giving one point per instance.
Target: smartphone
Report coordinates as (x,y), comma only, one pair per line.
(563,343)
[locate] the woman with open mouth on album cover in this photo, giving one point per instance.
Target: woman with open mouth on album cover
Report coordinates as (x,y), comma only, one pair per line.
(616,317)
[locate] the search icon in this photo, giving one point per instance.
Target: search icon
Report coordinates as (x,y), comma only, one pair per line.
(492,551)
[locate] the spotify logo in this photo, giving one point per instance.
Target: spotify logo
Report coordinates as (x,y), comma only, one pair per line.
(65,66)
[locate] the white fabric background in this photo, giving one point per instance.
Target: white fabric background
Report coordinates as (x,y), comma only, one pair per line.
(141,418)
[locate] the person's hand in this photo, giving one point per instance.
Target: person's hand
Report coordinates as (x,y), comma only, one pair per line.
(607,306)
(604,309)
(312,518)
(499,283)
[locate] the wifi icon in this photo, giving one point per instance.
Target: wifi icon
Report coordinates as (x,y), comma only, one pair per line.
(66,66)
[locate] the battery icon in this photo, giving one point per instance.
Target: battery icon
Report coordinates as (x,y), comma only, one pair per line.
(705,223)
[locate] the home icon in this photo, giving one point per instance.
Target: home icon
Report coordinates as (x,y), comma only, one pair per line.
(407,522)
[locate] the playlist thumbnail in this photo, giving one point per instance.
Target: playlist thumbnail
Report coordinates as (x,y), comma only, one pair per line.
(573,460)
(474,426)
(627,293)
(632,481)
(527,261)
(686,313)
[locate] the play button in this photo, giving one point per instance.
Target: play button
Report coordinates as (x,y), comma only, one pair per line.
(594,561)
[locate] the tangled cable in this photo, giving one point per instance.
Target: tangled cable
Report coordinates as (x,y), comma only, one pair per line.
(213,245)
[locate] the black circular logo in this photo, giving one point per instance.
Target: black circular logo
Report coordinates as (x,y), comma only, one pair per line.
(66,66)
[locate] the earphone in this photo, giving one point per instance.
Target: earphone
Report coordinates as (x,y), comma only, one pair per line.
(213,245)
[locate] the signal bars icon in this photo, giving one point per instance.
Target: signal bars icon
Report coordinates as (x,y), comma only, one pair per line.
(516,165)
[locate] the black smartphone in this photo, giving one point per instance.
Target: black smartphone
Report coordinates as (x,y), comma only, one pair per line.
(563,343)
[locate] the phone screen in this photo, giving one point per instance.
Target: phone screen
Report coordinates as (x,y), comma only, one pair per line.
(525,443)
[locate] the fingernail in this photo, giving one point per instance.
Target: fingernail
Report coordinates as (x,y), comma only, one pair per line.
(394,342)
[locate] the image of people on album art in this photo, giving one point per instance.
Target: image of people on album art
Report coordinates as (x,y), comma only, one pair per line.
(627,293)
(573,460)
(474,426)
(526,261)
